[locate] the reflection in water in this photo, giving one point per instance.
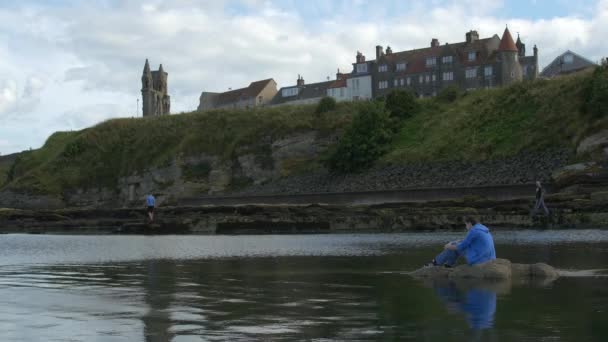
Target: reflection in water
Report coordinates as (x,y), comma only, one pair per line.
(476,303)
(324,289)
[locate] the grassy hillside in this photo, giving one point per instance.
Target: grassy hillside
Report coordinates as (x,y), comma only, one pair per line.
(477,125)
(497,122)
(101,154)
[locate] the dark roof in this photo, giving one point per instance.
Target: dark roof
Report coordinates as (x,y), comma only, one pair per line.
(557,66)
(506,42)
(307,91)
(236,95)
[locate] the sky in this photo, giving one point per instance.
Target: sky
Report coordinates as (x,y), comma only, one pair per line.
(68,64)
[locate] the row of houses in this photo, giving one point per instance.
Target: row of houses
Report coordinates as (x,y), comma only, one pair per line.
(472,64)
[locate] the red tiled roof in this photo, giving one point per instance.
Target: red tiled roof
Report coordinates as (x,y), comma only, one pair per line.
(416,59)
(506,42)
(341,83)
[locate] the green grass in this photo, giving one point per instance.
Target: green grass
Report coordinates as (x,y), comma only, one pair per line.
(478,125)
(99,155)
(496,122)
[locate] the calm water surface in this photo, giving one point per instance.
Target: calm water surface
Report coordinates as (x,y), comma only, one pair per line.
(292,288)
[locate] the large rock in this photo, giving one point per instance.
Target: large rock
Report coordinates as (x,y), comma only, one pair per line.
(581,173)
(499,269)
(593,143)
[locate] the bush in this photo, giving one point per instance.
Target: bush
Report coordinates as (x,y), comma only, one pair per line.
(326,104)
(596,94)
(449,94)
(364,141)
(401,103)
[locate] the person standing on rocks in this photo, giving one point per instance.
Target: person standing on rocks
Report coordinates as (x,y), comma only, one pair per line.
(477,246)
(540,200)
(150,202)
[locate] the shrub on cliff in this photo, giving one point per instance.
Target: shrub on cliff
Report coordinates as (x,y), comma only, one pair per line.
(401,104)
(596,94)
(364,141)
(449,94)
(326,104)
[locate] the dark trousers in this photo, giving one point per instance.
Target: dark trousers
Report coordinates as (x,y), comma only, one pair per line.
(540,203)
(447,257)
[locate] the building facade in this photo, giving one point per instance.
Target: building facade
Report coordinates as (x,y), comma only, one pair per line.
(257,94)
(472,64)
(566,63)
(155,99)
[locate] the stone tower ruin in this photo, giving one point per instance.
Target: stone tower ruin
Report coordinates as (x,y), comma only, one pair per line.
(155,100)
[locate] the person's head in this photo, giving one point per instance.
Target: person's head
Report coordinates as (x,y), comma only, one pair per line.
(469,222)
(538,184)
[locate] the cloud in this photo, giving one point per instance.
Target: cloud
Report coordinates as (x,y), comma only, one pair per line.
(76,63)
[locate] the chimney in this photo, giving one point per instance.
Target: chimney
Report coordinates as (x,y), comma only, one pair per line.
(434,42)
(379,51)
(339,75)
(535,51)
(389,50)
(300,81)
(360,57)
(472,36)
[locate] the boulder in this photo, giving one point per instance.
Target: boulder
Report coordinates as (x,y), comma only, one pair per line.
(499,269)
(593,143)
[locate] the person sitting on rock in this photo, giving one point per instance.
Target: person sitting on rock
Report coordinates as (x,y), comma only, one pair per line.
(477,246)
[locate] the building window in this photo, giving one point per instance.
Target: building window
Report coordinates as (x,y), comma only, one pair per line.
(472,56)
(362,67)
(524,69)
(409,81)
(382,68)
(420,79)
(431,62)
(568,59)
(434,78)
(471,72)
(289,92)
(402,82)
(428,78)
(447,59)
(400,66)
(382,84)
(487,71)
(341,92)
(396,82)
(448,76)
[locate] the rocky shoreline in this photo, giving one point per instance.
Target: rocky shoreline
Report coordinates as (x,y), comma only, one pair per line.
(569,211)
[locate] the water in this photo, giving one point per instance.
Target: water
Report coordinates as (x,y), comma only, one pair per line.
(290,288)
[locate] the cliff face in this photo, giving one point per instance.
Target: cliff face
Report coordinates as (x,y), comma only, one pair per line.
(512,135)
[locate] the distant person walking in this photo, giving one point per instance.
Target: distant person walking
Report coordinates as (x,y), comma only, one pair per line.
(150,202)
(540,200)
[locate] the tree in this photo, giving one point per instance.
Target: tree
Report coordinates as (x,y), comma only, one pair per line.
(325,105)
(401,103)
(364,141)
(596,94)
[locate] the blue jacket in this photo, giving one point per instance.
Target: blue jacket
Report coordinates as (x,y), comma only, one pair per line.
(150,201)
(478,245)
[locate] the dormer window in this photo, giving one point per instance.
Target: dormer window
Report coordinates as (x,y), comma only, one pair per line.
(568,59)
(431,62)
(401,66)
(382,68)
(362,67)
(472,56)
